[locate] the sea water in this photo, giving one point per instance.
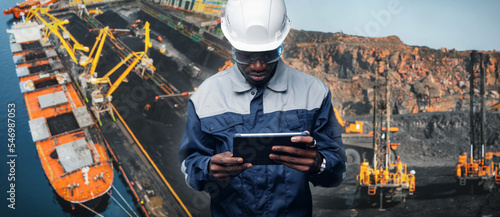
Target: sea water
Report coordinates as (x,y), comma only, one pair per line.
(25,190)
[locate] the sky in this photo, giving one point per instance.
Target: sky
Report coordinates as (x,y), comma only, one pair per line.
(452,24)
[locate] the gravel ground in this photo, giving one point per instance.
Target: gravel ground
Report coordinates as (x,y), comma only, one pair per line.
(436,194)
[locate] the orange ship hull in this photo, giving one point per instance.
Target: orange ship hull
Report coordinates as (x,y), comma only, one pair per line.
(71,148)
(72,186)
(24,7)
(33,105)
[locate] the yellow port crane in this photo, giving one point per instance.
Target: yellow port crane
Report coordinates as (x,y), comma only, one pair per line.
(93,59)
(96,11)
(54,26)
(386,175)
(480,168)
(97,48)
(138,56)
(100,100)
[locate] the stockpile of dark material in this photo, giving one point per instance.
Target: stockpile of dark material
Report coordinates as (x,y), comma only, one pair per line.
(131,97)
(113,20)
(40,68)
(443,136)
(80,30)
(437,138)
(194,51)
(34,56)
(62,123)
(47,83)
(31,46)
(159,128)
(165,66)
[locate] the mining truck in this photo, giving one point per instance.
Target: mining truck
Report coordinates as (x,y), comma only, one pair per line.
(358,145)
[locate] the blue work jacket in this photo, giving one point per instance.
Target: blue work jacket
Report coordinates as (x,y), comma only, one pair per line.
(226,104)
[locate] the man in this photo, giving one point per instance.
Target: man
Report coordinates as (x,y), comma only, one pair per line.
(260,94)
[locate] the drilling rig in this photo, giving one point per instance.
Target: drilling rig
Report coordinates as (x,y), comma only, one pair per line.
(478,168)
(386,174)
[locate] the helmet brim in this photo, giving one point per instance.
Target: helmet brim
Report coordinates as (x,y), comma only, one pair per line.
(254,47)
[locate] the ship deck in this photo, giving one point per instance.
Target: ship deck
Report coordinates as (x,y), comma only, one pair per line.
(65,97)
(65,159)
(150,166)
(71,149)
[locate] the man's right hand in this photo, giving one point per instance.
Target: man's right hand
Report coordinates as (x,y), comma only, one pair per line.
(224,166)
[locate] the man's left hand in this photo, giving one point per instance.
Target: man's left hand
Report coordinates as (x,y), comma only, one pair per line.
(306,160)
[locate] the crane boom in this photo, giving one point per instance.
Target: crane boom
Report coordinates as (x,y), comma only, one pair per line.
(54,27)
(122,76)
(138,56)
(99,44)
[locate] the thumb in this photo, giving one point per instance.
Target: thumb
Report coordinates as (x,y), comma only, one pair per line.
(227,154)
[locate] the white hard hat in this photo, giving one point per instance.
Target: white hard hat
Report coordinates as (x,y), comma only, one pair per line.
(255,25)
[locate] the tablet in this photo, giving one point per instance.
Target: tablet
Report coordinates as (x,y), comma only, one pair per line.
(255,147)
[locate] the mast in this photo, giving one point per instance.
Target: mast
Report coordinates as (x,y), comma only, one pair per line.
(477,107)
(387,114)
(375,145)
(472,108)
(483,111)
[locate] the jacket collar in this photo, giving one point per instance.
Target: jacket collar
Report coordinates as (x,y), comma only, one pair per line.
(278,83)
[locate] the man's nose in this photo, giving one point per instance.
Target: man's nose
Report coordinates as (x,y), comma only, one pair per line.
(258,65)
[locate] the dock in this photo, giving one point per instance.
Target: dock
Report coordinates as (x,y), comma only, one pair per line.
(149,187)
(150,166)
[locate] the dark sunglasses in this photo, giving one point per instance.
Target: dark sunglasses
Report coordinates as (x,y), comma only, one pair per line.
(246,58)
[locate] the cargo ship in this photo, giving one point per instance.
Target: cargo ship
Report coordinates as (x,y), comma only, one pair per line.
(70,146)
(22,8)
(43,64)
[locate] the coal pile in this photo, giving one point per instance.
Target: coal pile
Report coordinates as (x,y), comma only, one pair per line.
(80,30)
(159,128)
(165,66)
(443,136)
(196,52)
(436,138)
(112,19)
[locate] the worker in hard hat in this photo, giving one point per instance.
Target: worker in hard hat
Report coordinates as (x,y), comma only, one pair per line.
(260,94)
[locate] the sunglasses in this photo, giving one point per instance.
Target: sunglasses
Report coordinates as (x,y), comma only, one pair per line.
(246,58)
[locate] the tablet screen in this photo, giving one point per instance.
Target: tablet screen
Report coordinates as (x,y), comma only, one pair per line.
(255,147)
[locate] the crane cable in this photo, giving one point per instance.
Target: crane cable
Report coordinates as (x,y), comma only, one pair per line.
(91,210)
(128,205)
(118,204)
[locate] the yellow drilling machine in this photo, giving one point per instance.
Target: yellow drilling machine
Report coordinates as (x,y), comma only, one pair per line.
(478,168)
(386,178)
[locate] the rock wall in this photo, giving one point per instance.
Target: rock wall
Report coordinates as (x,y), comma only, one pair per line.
(348,64)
